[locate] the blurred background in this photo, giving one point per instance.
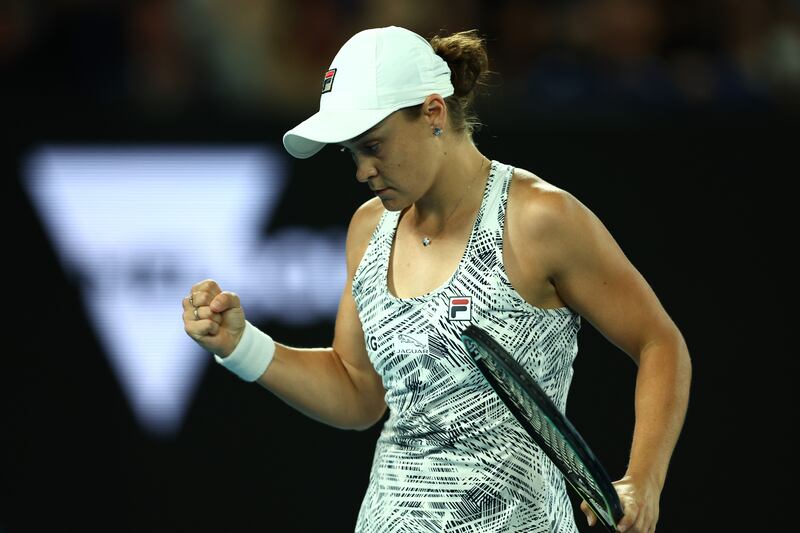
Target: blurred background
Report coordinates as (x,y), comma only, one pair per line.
(143,153)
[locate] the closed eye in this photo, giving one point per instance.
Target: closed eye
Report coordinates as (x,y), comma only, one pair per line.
(371,149)
(346,150)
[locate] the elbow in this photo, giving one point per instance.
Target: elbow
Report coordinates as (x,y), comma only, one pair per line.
(684,359)
(669,349)
(370,421)
(681,362)
(361,420)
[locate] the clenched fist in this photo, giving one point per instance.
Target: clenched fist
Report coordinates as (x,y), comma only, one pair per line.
(213,318)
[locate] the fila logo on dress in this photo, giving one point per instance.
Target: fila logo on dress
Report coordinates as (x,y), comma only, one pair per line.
(460,308)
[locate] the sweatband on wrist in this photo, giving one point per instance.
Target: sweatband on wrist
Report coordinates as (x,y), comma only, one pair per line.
(251,357)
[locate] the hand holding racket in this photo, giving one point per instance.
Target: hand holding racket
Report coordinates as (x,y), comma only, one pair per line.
(546,425)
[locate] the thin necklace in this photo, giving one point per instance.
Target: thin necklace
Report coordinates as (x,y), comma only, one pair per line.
(426,241)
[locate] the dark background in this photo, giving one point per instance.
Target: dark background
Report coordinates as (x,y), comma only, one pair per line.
(675,134)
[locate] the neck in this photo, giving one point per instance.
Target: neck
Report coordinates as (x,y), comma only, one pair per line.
(454,189)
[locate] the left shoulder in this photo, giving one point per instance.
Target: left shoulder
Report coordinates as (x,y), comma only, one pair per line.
(542,208)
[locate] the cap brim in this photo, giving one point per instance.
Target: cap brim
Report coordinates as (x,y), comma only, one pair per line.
(311,135)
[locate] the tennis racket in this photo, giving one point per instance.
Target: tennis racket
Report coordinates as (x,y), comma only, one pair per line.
(546,425)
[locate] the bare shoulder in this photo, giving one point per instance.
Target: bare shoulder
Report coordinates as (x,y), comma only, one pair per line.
(365,219)
(550,225)
(362,225)
(541,207)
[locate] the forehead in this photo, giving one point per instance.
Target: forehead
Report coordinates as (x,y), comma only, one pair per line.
(380,127)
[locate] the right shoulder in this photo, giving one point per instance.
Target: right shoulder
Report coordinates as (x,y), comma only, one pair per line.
(362,226)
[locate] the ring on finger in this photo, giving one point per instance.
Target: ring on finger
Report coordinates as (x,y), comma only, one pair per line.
(196,314)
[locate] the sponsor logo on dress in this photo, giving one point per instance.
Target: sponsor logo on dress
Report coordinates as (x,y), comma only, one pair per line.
(372,343)
(460,308)
(411,344)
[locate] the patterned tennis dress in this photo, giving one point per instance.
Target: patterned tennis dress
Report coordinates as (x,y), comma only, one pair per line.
(451,457)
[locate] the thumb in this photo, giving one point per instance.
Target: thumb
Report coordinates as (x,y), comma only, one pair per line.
(591,519)
(629,519)
(224,301)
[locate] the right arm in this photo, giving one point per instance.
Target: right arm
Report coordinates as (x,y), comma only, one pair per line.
(336,385)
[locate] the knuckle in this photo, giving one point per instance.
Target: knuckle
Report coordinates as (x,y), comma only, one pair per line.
(233,298)
(207,284)
(200,298)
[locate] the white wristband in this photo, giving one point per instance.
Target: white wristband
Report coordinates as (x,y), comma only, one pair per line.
(251,357)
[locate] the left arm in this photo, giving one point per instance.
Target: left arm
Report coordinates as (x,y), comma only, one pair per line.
(592,276)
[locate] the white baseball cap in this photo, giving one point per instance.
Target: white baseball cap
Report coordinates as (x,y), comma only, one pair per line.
(375,73)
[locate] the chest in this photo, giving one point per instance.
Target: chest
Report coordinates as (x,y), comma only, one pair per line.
(416,269)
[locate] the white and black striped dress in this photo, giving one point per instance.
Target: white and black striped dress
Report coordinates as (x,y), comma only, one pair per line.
(451,457)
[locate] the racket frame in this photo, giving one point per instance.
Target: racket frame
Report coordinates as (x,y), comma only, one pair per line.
(611,508)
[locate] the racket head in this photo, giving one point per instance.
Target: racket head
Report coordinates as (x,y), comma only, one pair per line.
(546,425)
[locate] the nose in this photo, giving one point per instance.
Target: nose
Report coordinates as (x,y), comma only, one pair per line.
(365,170)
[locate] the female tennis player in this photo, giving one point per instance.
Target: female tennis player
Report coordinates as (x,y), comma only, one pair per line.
(453,238)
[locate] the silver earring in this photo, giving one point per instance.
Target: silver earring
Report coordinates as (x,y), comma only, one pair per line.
(437,131)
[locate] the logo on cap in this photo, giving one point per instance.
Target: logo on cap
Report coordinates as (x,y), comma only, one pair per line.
(327,81)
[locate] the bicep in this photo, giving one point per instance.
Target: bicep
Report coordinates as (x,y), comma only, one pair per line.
(595,278)
(348,341)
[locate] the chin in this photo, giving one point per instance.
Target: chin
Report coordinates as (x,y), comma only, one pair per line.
(394,204)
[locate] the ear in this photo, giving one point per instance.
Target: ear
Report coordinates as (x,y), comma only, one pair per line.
(435,111)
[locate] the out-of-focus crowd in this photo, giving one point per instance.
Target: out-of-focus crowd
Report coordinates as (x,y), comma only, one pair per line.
(266,57)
